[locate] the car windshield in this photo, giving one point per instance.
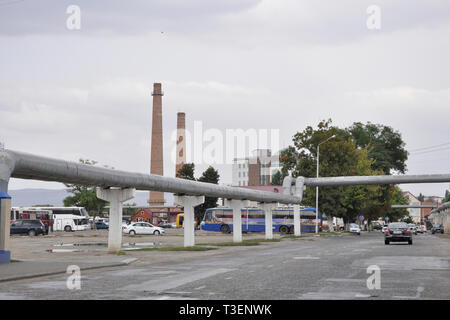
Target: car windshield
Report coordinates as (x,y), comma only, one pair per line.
(353,225)
(397,225)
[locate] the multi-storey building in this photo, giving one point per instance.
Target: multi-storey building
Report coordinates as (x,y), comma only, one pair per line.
(414,213)
(256,170)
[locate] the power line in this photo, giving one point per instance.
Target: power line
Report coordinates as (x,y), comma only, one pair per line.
(7,3)
(430,151)
(430,147)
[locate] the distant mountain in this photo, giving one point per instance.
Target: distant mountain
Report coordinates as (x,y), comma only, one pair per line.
(55,197)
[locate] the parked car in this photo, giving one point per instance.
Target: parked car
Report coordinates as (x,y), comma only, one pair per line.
(101,225)
(413,228)
(421,228)
(438,228)
(30,227)
(167,225)
(384,228)
(142,228)
(377,226)
(354,228)
(398,232)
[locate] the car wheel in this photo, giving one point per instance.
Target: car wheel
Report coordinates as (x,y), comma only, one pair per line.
(132,232)
(284,229)
(410,242)
(225,228)
(67,228)
(156,233)
(31,233)
(386,241)
(359,234)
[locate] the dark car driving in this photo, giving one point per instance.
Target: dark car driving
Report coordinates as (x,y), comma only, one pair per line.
(398,232)
(439,228)
(101,225)
(30,227)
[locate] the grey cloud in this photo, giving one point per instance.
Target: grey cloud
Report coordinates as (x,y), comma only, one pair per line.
(114,16)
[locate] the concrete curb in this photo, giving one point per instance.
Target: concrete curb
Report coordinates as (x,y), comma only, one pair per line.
(44,274)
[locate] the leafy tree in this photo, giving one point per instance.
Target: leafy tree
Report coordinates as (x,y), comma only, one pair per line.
(338,157)
(385,146)
(85,196)
(421,197)
(186,171)
(397,197)
(210,175)
(278,177)
(447,196)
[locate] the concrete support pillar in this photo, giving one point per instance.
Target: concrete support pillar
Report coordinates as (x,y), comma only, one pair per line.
(237,206)
(297,221)
(115,196)
(189,203)
(7,165)
(5,215)
(267,209)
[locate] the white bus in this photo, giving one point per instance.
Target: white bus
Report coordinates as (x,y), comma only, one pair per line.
(69,218)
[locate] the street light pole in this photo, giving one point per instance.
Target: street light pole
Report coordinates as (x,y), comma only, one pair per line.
(317,191)
(317,188)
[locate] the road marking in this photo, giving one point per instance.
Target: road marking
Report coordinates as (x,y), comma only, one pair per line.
(417,296)
(306,258)
(200,288)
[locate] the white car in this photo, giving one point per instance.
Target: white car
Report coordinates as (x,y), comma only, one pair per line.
(354,228)
(142,228)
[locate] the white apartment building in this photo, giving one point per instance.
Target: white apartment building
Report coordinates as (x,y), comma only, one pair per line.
(414,213)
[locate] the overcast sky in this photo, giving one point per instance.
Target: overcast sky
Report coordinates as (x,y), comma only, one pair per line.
(262,64)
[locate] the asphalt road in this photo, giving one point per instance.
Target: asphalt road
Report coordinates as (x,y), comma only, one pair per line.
(333,267)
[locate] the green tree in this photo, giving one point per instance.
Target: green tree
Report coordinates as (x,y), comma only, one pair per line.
(421,197)
(186,171)
(278,177)
(338,157)
(386,146)
(85,196)
(446,197)
(397,197)
(210,175)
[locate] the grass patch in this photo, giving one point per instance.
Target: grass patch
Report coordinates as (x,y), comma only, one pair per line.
(194,248)
(292,237)
(247,242)
(333,233)
(79,235)
(230,244)
(15,260)
(121,253)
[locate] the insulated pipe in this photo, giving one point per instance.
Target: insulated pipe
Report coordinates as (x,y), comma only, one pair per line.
(28,166)
(367,180)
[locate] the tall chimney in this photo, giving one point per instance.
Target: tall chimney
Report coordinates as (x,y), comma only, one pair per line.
(181,141)
(156,156)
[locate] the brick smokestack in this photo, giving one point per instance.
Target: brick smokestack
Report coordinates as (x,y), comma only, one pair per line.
(181,141)
(156,156)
